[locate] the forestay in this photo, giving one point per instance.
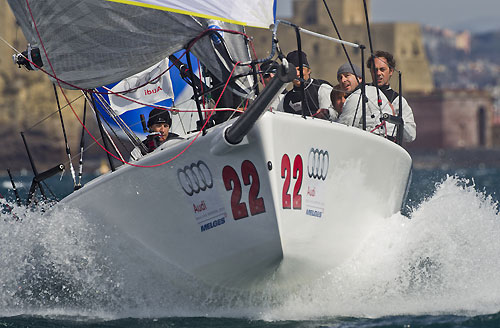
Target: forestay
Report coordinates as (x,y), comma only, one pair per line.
(91,43)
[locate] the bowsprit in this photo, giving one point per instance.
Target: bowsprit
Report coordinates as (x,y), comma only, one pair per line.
(195,178)
(317,164)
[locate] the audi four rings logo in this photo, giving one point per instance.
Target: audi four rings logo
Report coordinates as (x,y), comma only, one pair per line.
(195,178)
(317,164)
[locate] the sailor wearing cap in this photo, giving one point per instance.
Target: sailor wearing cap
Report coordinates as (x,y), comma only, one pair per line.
(268,70)
(349,77)
(316,92)
(159,123)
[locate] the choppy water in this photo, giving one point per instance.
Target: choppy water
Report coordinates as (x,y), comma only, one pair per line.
(435,266)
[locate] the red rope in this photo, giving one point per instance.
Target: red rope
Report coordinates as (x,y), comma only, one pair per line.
(90,134)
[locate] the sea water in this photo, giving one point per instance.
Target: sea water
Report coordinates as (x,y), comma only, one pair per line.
(436,264)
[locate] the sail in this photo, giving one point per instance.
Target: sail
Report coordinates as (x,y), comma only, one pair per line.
(91,43)
(167,91)
(259,13)
(148,86)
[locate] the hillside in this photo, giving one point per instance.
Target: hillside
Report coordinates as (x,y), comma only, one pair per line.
(27,104)
(462,60)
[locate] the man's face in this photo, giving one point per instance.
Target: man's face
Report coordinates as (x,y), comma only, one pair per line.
(348,82)
(381,73)
(307,74)
(162,128)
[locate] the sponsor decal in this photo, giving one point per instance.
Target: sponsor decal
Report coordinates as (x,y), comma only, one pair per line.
(314,213)
(196,180)
(149,86)
(318,162)
(213,224)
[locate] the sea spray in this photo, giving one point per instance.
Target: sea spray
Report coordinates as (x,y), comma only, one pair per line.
(51,259)
(442,258)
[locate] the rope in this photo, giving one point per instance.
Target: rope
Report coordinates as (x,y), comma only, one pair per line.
(86,129)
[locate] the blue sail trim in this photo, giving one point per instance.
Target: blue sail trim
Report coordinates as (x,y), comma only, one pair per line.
(132,117)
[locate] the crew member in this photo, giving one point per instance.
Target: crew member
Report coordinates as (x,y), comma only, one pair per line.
(268,70)
(382,65)
(337,97)
(159,123)
(349,77)
(317,101)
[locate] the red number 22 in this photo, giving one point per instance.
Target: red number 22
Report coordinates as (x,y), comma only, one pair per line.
(297,174)
(232,182)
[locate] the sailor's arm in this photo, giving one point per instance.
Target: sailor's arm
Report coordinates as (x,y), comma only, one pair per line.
(324,100)
(350,111)
(410,127)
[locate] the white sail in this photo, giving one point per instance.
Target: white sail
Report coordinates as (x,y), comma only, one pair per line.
(258,13)
(146,89)
(90,43)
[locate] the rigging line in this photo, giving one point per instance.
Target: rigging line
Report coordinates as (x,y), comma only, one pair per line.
(50,190)
(9,45)
(199,132)
(119,122)
(368,26)
(117,93)
(92,136)
(379,99)
(117,150)
(82,146)
(68,151)
(338,34)
(172,108)
(336,29)
(53,113)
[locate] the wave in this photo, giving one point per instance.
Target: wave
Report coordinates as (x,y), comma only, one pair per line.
(440,259)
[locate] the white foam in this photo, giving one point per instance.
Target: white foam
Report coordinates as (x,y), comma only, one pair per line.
(443,259)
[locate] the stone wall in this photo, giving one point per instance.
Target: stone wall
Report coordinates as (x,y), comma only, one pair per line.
(452,119)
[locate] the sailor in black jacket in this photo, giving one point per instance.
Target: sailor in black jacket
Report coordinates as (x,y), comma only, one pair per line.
(316,101)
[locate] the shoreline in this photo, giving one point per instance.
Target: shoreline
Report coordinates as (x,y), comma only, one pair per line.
(446,159)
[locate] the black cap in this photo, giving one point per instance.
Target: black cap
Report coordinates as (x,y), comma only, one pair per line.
(269,67)
(157,116)
(293,57)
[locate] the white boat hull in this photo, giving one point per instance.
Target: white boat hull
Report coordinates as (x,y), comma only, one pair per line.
(260,209)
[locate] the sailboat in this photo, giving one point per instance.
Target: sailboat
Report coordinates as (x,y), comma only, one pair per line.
(265,194)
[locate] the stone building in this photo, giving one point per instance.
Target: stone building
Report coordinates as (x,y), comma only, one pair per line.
(402,39)
(446,119)
(452,119)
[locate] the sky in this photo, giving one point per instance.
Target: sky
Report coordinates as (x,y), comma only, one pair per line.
(473,15)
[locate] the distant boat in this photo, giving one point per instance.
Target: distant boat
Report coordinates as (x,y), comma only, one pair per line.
(264,194)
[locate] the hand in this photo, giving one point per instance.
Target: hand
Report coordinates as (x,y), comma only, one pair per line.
(322,113)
